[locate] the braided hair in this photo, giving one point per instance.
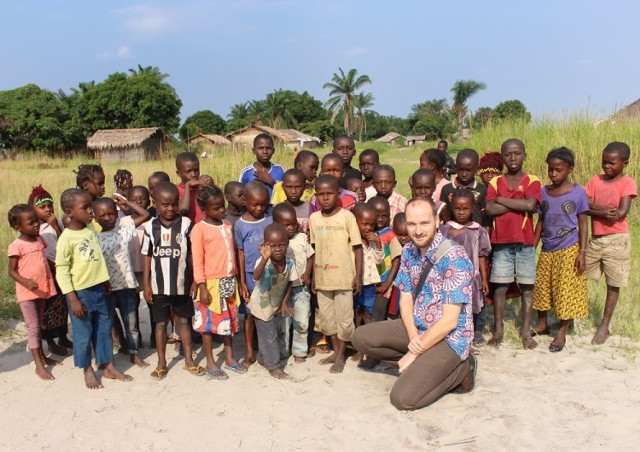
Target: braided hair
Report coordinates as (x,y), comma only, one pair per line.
(121,177)
(491,161)
(86,172)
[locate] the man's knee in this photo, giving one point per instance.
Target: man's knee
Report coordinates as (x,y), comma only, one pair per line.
(402,399)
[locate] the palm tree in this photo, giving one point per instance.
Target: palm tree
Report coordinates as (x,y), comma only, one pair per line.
(341,89)
(149,70)
(361,102)
(434,107)
(256,110)
(278,105)
(462,90)
(238,112)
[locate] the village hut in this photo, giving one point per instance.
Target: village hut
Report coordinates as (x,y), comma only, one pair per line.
(415,139)
(243,138)
(127,145)
(301,140)
(207,144)
(629,112)
(391,138)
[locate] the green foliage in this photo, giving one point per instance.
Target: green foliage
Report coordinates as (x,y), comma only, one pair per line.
(512,110)
(379,125)
(306,108)
(342,89)
(204,121)
(481,117)
(278,109)
(462,90)
(322,129)
(434,127)
(361,102)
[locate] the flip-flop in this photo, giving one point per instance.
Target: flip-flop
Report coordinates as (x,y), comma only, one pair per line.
(238,368)
(196,370)
(159,374)
(216,374)
(555,348)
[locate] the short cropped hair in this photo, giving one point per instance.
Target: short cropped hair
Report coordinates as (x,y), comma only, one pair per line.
(562,153)
(382,168)
(328,179)
(185,157)
(67,198)
(620,148)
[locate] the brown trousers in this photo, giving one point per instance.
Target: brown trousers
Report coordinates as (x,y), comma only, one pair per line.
(433,374)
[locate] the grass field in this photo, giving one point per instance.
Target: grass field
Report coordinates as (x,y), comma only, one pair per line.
(583,137)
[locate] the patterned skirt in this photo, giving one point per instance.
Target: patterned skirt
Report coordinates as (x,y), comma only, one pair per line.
(221,316)
(54,318)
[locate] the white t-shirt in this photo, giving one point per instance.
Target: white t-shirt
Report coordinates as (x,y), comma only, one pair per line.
(115,248)
(299,250)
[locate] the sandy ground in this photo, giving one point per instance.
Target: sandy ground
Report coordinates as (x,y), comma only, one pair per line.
(584,398)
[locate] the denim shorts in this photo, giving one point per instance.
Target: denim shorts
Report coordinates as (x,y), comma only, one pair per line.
(365,299)
(513,259)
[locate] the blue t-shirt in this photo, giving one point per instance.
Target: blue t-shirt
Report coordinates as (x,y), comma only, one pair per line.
(247,175)
(248,235)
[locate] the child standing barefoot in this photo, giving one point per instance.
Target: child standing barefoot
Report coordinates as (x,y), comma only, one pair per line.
(214,271)
(34,284)
(560,282)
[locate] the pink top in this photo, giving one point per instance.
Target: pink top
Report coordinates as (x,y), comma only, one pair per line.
(213,252)
(438,189)
(195,212)
(32,264)
(609,193)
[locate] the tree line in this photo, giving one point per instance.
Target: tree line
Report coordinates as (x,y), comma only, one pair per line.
(32,118)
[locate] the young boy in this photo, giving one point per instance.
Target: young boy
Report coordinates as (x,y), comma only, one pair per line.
(301,251)
(274,273)
(337,275)
(293,184)
(188,169)
(248,233)
(356,186)
(609,248)
(511,200)
(234,194)
(307,162)
(153,180)
(450,166)
(82,274)
(115,239)
(333,165)
(262,169)
(368,159)
(466,166)
(345,147)
(167,275)
(384,181)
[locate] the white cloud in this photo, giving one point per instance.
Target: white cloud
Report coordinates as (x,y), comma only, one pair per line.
(354,52)
(148,19)
(121,52)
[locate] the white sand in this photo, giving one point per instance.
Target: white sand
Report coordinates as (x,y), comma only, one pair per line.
(583,398)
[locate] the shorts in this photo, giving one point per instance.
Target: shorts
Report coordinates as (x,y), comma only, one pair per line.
(611,255)
(513,259)
(335,309)
(365,300)
(164,305)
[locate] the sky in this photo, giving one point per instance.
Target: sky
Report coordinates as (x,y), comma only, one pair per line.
(558,57)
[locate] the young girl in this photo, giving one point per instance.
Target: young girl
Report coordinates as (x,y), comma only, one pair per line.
(34,284)
(435,160)
(56,315)
(560,283)
(475,240)
(123,181)
(214,271)
(90,178)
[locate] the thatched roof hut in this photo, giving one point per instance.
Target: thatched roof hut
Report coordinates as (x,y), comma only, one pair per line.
(391,138)
(243,138)
(301,140)
(630,112)
(413,139)
(128,145)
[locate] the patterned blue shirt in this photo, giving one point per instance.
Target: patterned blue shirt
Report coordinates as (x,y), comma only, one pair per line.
(449,281)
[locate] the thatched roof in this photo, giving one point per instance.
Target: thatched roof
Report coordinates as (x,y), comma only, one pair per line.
(212,137)
(300,136)
(388,138)
(280,134)
(631,111)
(122,138)
(416,138)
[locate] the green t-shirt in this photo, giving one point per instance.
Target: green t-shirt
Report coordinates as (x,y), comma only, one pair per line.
(79,260)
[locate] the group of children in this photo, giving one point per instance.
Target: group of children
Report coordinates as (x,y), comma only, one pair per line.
(306,258)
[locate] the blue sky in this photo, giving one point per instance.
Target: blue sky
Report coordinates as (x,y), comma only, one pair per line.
(558,57)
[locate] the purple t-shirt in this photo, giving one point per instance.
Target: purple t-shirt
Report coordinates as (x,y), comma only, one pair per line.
(560,224)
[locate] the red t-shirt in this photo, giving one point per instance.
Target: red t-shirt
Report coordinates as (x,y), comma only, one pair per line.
(195,213)
(514,226)
(609,193)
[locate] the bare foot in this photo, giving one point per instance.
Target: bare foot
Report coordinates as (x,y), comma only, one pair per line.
(528,342)
(337,367)
(90,379)
(312,352)
(358,357)
(248,361)
(135,359)
(44,374)
(368,363)
(495,340)
(112,373)
(328,360)
(601,336)
(52,362)
(299,359)
(279,374)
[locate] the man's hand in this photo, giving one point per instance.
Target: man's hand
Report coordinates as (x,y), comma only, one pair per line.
(406,361)
(415,346)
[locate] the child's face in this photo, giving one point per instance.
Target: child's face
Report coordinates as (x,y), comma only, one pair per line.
(461,210)
(345,148)
(289,222)
(486,176)
(400,230)
(367,163)
(188,170)
(236,197)
(214,209)
(152,182)
(309,168)
(263,150)
(332,167)
(327,196)
(166,205)
(356,186)
(106,215)
(613,164)
(95,186)
(422,186)
(383,216)
(44,210)
(140,198)
(425,163)
(81,209)
(513,158)
(256,204)
(366,223)
(293,187)
(443,146)
(29,224)
(278,244)
(466,170)
(558,171)
(384,182)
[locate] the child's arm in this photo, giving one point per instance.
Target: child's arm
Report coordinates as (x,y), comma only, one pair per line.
(306,276)
(146,279)
(262,174)
(393,271)
(265,252)
(13,273)
(537,233)
(482,263)
(357,281)
(286,308)
(518,205)
(582,240)
(53,222)
(141,214)
(606,212)
(244,291)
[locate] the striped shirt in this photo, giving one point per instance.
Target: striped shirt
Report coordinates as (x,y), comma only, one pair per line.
(170,250)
